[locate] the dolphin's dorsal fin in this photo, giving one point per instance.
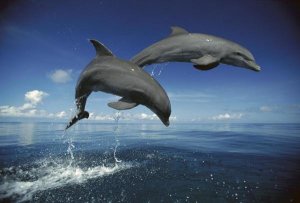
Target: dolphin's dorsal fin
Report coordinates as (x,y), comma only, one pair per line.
(177,31)
(101,50)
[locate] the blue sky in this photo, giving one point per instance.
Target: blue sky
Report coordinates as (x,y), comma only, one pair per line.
(44,47)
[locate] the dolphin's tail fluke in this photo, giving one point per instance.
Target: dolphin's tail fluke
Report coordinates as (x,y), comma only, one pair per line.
(76,118)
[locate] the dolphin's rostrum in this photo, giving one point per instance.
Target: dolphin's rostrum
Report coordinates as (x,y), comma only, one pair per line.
(204,51)
(109,74)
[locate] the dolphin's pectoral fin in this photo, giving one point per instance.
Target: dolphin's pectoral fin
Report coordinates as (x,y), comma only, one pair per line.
(101,50)
(178,31)
(122,104)
(207,67)
(206,62)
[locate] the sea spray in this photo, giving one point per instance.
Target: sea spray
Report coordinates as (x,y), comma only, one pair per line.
(26,181)
(117,117)
(21,183)
(160,68)
(160,71)
(153,70)
(67,139)
(70,147)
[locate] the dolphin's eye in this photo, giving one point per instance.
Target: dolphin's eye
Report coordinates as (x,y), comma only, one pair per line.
(243,56)
(238,53)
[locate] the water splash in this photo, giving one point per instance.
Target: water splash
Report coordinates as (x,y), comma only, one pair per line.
(160,71)
(160,67)
(21,183)
(68,139)
(153,70)
(70,147)
(117,117)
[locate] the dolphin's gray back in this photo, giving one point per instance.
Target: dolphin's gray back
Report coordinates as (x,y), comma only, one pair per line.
(182,48)
(120,78)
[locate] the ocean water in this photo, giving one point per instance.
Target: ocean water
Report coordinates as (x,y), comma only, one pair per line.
(39,162)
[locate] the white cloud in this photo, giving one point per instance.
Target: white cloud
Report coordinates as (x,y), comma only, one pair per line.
(227,116)
(28,109)
(35,96)
(27,106)
(101,117)
(265,109)
(31,111)
(288,108)
(173,118)
(126,117)
(144,116)
(61,76)
(61,114)
(20,111)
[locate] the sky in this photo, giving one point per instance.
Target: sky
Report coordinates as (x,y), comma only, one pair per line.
(44,47)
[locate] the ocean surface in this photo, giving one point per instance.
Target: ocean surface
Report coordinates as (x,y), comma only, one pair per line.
(39,162)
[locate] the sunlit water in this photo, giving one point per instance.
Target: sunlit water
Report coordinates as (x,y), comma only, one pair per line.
(149,162)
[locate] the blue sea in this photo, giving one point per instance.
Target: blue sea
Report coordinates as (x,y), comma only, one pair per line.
(120,162)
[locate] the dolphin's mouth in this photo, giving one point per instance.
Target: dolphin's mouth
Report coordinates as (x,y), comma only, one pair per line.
(253,66)
(167,123)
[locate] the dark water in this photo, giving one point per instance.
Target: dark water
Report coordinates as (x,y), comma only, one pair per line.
(150,163)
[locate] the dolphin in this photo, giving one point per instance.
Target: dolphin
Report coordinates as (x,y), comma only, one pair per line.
(109,74)
(204,51)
